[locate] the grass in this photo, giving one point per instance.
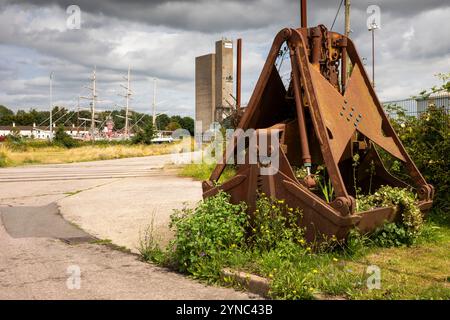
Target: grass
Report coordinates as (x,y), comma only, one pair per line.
(295,269)
(202,171)
(418,272)
(421,271)
(10,157)
(407,273)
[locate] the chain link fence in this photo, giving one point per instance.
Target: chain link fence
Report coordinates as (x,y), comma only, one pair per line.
(417,106)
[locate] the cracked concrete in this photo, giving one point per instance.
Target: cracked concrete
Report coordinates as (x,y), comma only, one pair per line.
(39,268)
(108,208)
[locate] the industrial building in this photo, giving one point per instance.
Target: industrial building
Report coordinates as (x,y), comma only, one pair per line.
(214,98)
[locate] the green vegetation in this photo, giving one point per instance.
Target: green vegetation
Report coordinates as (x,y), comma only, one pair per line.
(202,171)
(108,243)
(144,136)
(427,140)
(63,139)
(408,228)
(218,234)
(412,254)
(69,118)
(417,272)
(44,152)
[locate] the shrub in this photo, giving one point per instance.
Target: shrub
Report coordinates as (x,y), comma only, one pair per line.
(273,223)
(218,234)
(146,135)
(63,139)
(392,235)
(426,139)
(206,234)
(408,228)
(3,159)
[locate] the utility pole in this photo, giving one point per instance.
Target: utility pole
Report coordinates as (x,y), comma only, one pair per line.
(238,74)
(372,28)
(345,72)
(154,102)
(51,106)
(78,116)
(347,18)
(127,96)
(93,99)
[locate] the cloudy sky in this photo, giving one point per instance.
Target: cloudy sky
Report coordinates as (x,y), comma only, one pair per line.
(160,39)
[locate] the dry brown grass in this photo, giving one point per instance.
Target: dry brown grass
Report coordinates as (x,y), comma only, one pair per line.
(54,154)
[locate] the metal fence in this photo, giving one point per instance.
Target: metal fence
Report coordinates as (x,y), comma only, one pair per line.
(416,106)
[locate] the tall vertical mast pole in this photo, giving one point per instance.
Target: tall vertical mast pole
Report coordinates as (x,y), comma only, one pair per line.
(51,105)
(373,56)
(127,102)
(78,115)
(154,102)
(238,74)
(347,18)
(345,67)
(94,98)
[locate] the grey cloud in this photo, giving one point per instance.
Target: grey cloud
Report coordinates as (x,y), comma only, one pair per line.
(216,16)
(161,38)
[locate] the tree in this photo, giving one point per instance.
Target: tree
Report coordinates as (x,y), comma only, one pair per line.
(188,124)
(162,121)
(172,126)
(176,119)
(63,139)
(14,135)
(146,135)
(6,116)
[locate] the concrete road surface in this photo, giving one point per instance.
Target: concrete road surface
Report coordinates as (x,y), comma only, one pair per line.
(50,258)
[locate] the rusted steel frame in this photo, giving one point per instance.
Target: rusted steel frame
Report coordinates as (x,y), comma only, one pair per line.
(331,163)
(316,49)
(306,156)
(417,177)
(238,73)
(343,64)
(321,207)
(344,70)
(256,97)
(304,14)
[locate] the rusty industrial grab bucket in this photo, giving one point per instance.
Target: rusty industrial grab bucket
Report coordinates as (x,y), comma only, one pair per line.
(327,114)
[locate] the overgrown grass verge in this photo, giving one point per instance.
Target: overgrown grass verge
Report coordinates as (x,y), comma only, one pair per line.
(51,154)
(202,171)
(218,235)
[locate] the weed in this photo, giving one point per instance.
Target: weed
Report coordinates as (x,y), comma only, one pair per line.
(202,171)
(404,232)
(207,234)
(149,247)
